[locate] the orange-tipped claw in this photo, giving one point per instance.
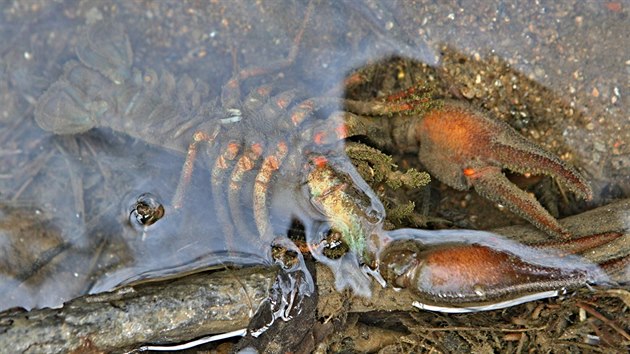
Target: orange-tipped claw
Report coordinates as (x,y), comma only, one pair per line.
(464,147)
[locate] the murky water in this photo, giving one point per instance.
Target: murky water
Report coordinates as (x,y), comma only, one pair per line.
(67,198)
(122,117)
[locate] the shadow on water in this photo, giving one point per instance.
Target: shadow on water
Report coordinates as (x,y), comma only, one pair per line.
(124,113)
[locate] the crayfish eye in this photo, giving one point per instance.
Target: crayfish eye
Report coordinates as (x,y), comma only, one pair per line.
(146,211)
(333,245)
(400,262)
(286,258)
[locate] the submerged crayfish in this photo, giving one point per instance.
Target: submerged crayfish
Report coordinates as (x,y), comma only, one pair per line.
(272,157)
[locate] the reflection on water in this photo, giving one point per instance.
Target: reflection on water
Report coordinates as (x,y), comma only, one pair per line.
(92,205)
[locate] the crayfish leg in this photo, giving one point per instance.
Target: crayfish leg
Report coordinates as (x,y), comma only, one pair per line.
(189,164)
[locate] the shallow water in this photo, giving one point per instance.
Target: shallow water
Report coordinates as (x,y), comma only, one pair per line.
(76,191)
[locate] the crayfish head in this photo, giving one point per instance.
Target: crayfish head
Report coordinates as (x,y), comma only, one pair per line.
(400,262)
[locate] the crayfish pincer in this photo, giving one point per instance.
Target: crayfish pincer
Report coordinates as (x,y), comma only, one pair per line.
(465,270)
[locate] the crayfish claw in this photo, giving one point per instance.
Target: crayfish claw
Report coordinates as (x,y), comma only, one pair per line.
(493,185)
(464,147)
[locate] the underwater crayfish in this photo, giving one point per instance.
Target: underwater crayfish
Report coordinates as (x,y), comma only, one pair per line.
(267,144)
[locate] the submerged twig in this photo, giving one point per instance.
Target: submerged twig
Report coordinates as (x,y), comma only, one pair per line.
(163,312)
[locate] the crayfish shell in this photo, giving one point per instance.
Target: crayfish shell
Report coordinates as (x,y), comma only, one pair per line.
(472,274)
(63,109)
(105,47)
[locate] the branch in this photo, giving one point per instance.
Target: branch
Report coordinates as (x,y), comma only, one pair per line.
(160,312)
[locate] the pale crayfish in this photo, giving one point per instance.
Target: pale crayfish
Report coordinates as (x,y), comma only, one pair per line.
(273,151)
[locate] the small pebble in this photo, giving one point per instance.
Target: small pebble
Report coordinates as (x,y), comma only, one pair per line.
(595,92)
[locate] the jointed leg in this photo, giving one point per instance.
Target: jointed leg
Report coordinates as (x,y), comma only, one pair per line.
(261,187)
(189,164)
(246,163)
(222,165)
